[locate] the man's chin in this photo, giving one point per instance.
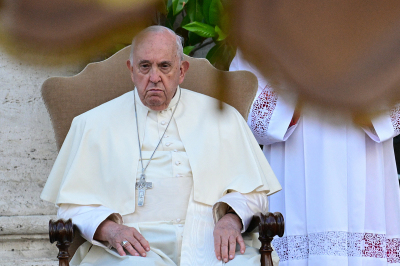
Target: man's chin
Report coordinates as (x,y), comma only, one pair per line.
(156,104)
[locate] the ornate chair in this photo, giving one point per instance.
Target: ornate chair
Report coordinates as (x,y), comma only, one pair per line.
(67,97)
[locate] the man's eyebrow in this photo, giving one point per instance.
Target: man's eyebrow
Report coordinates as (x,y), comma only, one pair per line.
(144,62)
(166,62)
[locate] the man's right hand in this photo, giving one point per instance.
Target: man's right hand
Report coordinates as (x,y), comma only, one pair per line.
(115,233)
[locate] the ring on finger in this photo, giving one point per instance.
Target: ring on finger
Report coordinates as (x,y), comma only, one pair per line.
(123,243)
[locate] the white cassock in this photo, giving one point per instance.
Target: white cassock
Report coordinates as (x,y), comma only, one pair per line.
(204,155)
(340,195)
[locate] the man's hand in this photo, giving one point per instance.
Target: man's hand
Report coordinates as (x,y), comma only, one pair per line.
(226,234)
(115,233)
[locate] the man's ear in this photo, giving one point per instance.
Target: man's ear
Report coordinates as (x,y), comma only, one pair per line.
(184,69)
(128,64)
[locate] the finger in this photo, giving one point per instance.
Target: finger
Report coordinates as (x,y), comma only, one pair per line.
(232,247)
(217,246)
(130,249)
(224,248)
(136,244)
(119,249)
(143,242)
(242,245)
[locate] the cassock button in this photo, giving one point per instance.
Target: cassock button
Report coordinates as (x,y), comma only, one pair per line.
(175,150)
(179,175)
(178,220)
(162,122)
(168,143)
(180,225)
(166,136)
(177,162)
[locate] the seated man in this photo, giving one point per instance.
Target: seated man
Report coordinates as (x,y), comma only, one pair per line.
(159,176)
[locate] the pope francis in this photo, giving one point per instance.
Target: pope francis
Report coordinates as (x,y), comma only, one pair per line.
(159,176)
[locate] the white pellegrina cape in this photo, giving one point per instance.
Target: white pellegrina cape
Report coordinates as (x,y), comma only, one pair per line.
(97,164)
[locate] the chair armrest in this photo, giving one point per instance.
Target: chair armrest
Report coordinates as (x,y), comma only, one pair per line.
(269,225)
(63,232)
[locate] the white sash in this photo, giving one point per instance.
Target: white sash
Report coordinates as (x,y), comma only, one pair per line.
(198,240)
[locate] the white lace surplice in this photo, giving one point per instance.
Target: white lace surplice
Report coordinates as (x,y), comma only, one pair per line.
(340,196)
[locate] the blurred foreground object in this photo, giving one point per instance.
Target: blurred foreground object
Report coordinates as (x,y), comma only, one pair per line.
(343,53)
(55,31)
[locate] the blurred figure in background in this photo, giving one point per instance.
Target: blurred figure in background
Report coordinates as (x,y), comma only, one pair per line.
(340,196)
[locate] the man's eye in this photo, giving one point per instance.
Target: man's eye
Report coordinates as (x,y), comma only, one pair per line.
(144,68)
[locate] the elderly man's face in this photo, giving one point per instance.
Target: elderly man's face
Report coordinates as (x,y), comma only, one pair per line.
(156,70)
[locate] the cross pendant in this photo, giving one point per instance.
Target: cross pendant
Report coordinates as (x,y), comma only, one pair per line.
(141,186)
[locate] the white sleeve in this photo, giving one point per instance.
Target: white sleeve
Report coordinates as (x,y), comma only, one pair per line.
(245,206)
(88,218)
(270,114)
(385,126)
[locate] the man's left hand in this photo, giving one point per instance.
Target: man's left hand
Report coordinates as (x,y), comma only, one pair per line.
(226,235)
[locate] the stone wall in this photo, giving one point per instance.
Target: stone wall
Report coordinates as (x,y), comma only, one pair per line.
(27,152)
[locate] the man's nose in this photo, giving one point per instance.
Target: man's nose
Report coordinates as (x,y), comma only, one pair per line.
(155,75)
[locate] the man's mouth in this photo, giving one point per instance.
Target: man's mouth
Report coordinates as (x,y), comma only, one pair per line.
(155,89)
(154,92)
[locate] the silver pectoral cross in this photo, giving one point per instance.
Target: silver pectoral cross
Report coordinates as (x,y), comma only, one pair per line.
(141,186)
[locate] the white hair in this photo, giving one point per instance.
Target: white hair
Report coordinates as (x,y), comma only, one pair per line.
(158,28)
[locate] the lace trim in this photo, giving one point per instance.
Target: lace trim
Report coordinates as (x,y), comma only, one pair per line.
(338,244)
(395,118)
(261,113)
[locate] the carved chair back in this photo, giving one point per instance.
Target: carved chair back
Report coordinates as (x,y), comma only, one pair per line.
(67,97)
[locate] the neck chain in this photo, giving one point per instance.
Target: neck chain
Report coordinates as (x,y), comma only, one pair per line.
(142,185)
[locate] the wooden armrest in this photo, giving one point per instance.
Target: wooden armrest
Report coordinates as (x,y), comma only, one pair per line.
(63,232)
(269,225)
